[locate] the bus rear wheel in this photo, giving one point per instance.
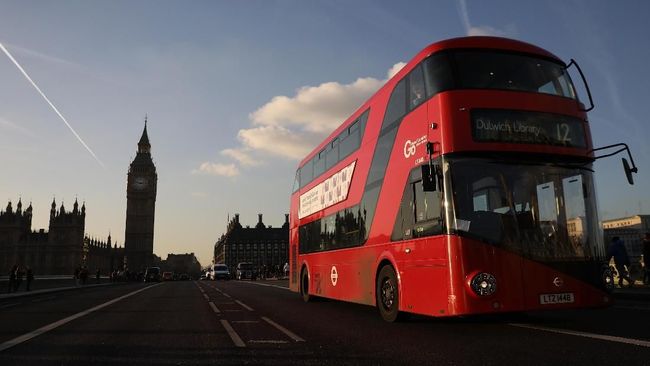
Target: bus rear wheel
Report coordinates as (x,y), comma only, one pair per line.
(304,286)
(387,295)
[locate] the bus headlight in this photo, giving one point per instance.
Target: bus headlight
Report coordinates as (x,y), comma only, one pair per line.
(484,284)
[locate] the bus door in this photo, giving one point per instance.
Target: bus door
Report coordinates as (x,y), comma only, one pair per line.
(562,239)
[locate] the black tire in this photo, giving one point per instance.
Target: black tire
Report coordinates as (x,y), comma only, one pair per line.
(304,286)
(387,295)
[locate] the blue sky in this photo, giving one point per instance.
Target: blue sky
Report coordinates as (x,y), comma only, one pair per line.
(237,91)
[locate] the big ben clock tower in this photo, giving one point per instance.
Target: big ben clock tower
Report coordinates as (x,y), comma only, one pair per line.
(140,207)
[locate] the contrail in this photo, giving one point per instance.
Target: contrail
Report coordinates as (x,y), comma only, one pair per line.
(50,103)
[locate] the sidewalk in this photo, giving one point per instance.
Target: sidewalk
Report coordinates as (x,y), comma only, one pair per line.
(54,289)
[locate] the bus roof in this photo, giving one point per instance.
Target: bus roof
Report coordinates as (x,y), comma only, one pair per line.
(482,42)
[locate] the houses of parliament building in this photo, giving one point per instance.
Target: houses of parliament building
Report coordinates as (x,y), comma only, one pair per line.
(66,246)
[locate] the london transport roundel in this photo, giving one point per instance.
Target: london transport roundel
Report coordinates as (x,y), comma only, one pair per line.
(334,275)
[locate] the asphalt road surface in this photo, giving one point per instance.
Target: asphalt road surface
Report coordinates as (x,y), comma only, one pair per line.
(243,322)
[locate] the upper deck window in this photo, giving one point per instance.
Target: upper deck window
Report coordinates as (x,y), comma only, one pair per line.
(494,70)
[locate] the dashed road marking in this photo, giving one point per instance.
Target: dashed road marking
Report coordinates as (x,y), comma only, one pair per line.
(206,297)
(244,305)
(236,339)
(602,337)
(284,330)
(25,337)
(214,307)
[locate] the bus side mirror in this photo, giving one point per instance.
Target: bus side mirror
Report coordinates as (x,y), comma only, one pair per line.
(429,178)
(628,171)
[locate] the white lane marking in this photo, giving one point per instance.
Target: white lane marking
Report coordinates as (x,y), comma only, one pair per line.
(244,305)
(226,295)
(214,307)
(10,305)
(25,337)
(284,330)
(267,285)
(267,341)
(236,339)
(206,297)
(602,337)
(245,321)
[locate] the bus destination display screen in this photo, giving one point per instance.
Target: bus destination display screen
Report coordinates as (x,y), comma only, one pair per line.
(522,127)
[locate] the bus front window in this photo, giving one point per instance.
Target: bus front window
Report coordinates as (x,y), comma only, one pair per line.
(540,210)
(494,70)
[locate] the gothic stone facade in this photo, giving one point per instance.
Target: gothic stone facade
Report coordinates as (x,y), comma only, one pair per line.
(57,251)
(263,246)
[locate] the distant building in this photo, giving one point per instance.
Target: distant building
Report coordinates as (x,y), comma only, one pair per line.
(630,230)
(57,251)
(182,263)
(265,247)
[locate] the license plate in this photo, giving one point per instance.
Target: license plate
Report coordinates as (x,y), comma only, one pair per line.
(565,298)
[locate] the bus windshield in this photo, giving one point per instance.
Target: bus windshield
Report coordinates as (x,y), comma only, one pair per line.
(543,211)
(494,70)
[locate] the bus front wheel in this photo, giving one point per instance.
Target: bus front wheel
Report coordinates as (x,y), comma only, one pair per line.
(304,286)
(387,295)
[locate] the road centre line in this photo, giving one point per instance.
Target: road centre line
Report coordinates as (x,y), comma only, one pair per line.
(214,307)
(284,330)
(236,339)
(25,337)
(602,337)
(244,305)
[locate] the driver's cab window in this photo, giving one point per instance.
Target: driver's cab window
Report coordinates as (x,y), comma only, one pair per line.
(420,212)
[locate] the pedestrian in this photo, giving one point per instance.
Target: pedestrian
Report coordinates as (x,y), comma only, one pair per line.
(12,278)
(286,270)
(30,278)
(646,259)
(20,273)
(621,260)
(77,272)
(97,276)
(83,274)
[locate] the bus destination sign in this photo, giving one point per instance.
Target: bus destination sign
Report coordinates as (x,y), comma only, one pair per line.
(522,127)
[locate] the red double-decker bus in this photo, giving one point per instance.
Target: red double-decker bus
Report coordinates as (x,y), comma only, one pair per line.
(463,186)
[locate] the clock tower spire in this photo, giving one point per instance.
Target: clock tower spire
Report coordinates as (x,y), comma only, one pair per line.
(140,207)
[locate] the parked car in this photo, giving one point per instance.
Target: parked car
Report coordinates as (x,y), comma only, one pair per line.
(152,274)
(245,270)
(167,276)
(220,271)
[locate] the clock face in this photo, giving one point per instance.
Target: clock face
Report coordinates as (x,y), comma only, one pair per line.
(139,183)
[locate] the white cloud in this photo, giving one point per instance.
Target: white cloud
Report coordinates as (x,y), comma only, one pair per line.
(291,126)
(483,30)
(198,194)
(226,170)
(242,156)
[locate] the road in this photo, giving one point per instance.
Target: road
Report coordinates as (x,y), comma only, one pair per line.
(237,323)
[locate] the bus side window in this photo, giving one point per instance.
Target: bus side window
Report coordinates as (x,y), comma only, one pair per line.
(396,105)
(403,228)
(416,87)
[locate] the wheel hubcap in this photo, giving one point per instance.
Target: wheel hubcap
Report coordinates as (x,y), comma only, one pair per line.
(387,293)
